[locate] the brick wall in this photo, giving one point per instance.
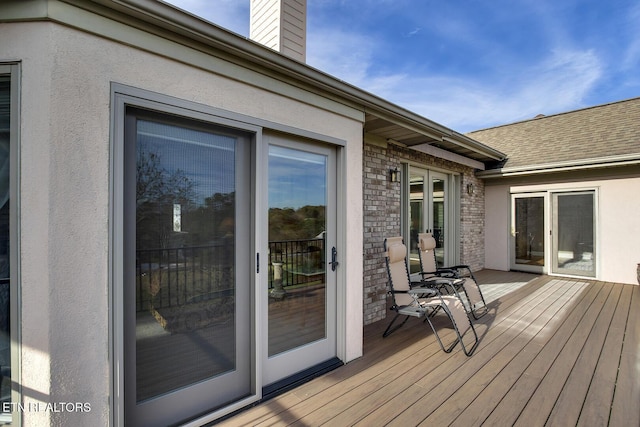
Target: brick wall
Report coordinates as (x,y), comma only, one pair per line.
(382,216)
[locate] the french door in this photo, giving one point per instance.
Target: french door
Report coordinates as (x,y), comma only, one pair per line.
(554,232)
(187,285)
(299,295)
(429,196)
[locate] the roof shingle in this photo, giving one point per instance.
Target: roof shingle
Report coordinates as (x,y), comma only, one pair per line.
(591,133)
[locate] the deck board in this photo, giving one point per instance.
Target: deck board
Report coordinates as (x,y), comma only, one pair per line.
(625,409)
(512,368)
(569,404)
(597,405)
(553,351)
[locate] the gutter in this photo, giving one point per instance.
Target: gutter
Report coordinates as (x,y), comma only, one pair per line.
(564,166)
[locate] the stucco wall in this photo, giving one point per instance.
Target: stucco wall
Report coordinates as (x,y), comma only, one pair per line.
(617,230)
(496,244)
(382,217)
(65,196)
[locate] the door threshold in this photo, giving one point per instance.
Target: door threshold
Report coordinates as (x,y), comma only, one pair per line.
(272,390)
(289,383)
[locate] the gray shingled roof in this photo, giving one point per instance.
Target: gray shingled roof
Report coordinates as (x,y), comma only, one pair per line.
(594,133)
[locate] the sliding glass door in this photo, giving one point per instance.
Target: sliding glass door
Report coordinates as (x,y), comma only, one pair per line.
(573,237)
(187,268)
(554,232)
(225,260)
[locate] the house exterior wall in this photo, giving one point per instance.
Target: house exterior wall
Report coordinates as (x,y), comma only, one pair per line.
(383,217)
(65,194)
(617,225)
(497,226)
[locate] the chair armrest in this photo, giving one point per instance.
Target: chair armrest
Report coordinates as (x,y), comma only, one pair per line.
(437,281)
(422,291)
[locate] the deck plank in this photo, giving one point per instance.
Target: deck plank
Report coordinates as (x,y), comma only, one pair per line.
(597,405)
(568,406)
(625,409)
(458,369)
(549,354)
(489,397)
(511,405)
(538,408)
(399,351)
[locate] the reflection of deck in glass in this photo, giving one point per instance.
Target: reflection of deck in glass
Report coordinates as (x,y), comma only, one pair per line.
(188,356)
(185,304)
(297,319)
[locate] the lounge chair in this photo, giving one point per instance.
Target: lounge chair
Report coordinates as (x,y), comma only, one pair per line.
(469,286)
(417,299)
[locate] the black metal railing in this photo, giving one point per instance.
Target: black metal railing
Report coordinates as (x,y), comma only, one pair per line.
(302,261)
(182,276)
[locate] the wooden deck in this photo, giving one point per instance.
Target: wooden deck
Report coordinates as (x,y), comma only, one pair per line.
(553,351)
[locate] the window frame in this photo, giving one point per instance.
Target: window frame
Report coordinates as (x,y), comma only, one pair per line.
(452,207)
(122,98)
(13,70)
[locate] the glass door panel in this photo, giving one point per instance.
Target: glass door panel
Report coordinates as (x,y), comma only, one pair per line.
(528,232)
(428,212)
(301,230)
(417,216)
(574,233)
(438,222)
(5,246)
(187,304)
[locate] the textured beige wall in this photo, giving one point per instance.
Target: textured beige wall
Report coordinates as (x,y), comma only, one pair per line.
(65,197)
(496,232)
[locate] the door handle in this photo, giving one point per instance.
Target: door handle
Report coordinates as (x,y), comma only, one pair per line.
(334,255)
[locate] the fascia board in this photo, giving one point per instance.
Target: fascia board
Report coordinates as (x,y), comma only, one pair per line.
(596,163)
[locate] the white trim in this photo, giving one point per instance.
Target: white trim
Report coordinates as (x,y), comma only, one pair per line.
(565,166)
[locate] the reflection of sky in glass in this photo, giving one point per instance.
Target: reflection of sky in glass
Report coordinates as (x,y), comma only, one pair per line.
(207,159)
(296,178)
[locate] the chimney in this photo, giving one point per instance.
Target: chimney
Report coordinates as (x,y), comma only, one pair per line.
(280,25)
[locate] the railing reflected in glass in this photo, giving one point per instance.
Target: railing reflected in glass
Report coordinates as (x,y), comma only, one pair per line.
(169,277)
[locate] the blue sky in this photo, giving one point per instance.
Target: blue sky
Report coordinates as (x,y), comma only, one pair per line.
(469,64)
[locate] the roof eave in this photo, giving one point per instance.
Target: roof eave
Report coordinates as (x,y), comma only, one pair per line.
(566,166)
(175,21)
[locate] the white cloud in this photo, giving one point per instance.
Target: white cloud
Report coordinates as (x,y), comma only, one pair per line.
(558,83)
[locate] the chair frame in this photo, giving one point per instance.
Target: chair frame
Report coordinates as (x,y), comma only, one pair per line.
(426,301)
(477,304)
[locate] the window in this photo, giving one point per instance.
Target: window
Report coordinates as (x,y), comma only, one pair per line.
(8,242)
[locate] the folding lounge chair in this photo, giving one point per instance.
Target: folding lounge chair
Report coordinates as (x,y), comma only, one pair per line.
(416,300)
(429,270)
